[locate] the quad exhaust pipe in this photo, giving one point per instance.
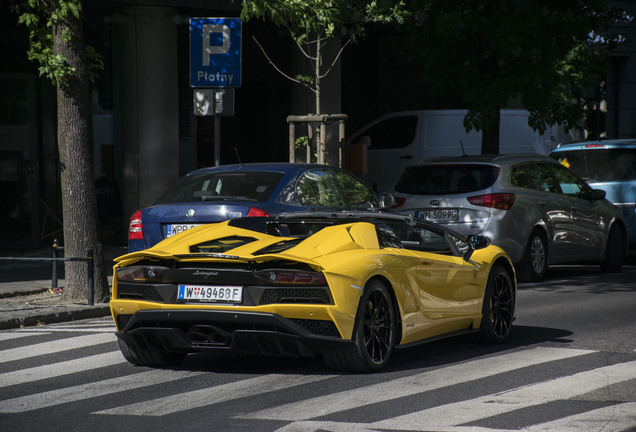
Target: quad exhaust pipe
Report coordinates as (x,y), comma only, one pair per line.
(208,335)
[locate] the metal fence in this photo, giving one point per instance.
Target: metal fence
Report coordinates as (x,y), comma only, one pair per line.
(55,259)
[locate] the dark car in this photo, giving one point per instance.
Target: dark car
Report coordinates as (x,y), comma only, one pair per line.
(531,206)
(216,194)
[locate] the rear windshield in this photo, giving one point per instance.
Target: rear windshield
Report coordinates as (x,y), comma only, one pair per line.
(235,186)
(446,179)
(600,165)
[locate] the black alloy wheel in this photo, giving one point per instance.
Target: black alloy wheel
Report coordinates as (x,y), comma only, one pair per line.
(499,306)
(373,334)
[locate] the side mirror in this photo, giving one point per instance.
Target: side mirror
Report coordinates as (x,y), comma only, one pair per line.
(476,242)
(386,200)
(597,194)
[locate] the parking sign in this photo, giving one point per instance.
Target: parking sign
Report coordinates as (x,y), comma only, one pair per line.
(215,52)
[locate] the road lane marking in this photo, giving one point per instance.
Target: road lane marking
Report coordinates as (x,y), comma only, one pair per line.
(53,370)
(18,335)
(564,388)
(92,390)
(411,385)
(617,418)
(56,346)
(212,395)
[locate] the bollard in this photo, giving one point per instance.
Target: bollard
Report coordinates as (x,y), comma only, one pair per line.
(54,265)
(91,288)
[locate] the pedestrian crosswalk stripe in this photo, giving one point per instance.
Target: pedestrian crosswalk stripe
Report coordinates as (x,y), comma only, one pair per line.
(53,370)
(217,394)
(491,405)
(19,335)
(616,418)
(411,385)
(91,390)
(55,346)
(91,329)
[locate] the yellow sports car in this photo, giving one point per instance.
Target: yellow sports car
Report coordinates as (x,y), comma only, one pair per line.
(348,286)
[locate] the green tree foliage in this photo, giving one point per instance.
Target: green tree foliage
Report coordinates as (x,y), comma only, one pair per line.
(488,52)
(312,23)
(57,46)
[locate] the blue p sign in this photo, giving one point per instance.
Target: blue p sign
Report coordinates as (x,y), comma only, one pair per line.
(215,52)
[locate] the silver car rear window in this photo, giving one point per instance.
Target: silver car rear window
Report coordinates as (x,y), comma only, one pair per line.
(446,179)
(600,165)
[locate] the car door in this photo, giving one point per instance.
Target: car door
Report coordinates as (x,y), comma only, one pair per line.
(448,294)
(585,228)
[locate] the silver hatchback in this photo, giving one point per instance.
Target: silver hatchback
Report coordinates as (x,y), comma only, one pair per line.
(531,206)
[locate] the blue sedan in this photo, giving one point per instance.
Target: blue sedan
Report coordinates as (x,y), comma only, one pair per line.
(216,194)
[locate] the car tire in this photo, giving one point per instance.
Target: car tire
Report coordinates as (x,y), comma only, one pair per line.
(498,309)
(142,357)
(535,259)
(373,333)
(614,252)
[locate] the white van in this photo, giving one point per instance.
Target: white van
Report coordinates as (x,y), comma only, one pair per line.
(399,139)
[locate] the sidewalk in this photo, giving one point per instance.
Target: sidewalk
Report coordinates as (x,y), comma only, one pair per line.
(31,303)
(25,302)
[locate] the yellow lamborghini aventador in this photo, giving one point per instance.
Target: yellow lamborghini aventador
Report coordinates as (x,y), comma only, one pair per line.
(348,286)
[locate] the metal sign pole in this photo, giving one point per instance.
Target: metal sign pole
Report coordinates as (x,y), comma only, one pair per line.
(217,140)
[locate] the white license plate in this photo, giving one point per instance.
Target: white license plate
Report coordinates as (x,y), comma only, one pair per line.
(438,215)
(178,228)
(205,293)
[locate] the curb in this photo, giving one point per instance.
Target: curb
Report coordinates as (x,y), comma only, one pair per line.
(70,313)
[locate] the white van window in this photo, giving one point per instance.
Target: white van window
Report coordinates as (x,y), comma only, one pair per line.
(391,133)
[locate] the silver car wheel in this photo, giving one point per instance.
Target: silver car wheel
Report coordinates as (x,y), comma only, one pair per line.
(537,255)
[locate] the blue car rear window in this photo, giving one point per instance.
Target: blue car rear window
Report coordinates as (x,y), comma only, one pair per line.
(254,186)
(446,179)
(600,165)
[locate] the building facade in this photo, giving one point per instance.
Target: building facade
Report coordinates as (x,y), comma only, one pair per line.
(145,134)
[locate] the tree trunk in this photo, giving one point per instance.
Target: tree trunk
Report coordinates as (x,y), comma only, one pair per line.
(79,204)
(490,136)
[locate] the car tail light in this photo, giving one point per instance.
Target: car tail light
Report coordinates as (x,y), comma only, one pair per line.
(139,273)
(501,201)
(136,228)
(256,212)
(296,277)
(398,202)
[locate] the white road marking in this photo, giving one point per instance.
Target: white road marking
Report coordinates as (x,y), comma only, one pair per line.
(18,335)
(92,390)
(411,385)
(467,411)
(52,370)
(212,395)
(614,418)
(55,346)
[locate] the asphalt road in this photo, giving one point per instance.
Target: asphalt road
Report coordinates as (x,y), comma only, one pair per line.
(569,366)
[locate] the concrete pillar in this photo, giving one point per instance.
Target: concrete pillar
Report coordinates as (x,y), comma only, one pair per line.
(146,99)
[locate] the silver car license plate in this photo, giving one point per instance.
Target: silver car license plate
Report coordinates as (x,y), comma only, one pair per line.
(438,215)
